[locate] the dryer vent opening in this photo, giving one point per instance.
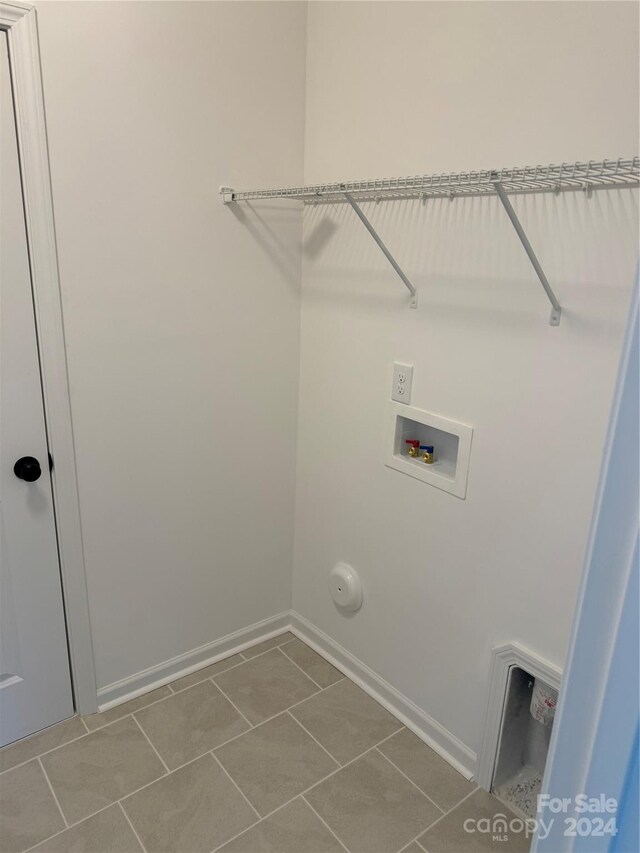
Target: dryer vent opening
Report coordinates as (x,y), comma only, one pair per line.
(525,732)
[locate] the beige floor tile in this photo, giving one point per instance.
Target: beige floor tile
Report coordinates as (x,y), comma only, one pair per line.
(315,666)
(28,811)
(190,723)
(449,835)
(102,767)
(30,747)
(97,721)
(265,686)
(422,765)
(107,832)
(206,672)
(274,762)
(414,847)
(273,643)
(371,807)
(193,810)
(292,829)
(345,720)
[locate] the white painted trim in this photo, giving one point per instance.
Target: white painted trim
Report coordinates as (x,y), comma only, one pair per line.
(19,21)
(425,727)
(502,659)
(156,676)
(457,754)
(598,707)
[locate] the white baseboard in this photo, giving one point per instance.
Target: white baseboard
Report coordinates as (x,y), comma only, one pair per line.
(425,727)
(160,674)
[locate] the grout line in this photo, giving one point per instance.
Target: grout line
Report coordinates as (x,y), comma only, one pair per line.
(175,690)
(224,743)
(191,761)
(308,677)
(86,727)
(236,786)
(442,816)
(242,831)
(48,781)
(116,802)
(55,835)
(211,752)
(299,667)
(70,826)
(333,758)
(351,761)
(171,772)
(288,803)
(134,830)
(319,816)
(88,732)
(402,773)
(172,692)
(259,655)
(210,678)
(127,713)
(47,751)
(413,841)
(420,845)
(39,755)
(148,739)
(388,737)
(333,773)
(231,702)
(299,794)
(152,782)
(273,716)
(164,699)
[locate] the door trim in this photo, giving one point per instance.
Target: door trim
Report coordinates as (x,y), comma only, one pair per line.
(19,21)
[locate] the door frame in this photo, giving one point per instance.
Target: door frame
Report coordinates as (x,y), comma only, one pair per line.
(19,21)
(598,705)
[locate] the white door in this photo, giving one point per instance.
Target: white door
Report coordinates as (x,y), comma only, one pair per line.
(35,681)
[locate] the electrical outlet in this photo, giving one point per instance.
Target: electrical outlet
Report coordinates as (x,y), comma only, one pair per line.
(402,378)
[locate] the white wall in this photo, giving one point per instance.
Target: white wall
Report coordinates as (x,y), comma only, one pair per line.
(181,320)
(395,88)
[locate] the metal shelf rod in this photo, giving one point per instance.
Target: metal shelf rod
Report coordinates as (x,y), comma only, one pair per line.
(383,249)
(556,310)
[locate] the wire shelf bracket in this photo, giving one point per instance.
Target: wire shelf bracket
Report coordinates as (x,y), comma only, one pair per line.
(556,310)
(356,207)
(622,173)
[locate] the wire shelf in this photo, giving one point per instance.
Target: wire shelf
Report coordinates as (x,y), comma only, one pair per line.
(593,175)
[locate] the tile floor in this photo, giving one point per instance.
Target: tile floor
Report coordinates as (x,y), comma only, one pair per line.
(269,750)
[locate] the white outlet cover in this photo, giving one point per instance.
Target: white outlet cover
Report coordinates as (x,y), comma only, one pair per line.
(345,587)
(401,386)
